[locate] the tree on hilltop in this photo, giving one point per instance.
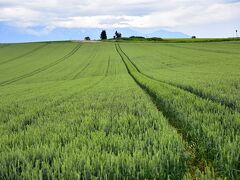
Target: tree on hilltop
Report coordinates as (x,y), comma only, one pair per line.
(103,35)
(118,35)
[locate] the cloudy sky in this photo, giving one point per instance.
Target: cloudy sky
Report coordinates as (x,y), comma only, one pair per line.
(204,18)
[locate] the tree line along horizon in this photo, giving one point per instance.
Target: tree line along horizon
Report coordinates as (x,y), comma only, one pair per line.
(103,35)
(118,35)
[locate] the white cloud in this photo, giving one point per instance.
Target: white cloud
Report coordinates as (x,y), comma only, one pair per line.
(122,13)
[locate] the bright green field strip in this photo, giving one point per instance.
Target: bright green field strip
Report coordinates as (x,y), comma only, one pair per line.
(210,75)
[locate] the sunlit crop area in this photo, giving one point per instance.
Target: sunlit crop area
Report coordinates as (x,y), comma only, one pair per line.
(108,110)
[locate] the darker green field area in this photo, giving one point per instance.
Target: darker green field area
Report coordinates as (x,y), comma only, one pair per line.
(120,110)
(172,40)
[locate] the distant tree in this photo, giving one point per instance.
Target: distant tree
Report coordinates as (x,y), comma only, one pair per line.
(194,37)
(118,35)
(87,38)
(137,37)
(103,35)
(155,39)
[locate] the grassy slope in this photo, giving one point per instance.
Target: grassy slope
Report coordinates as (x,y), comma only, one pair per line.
(172,40)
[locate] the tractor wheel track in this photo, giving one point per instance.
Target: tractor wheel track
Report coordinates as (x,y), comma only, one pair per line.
(25,54)
(86,66)
(193,163)
(226,105)
(44,68)
(108,66)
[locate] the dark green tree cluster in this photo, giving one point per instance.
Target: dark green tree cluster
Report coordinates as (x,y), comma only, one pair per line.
(117,35)
(103,35)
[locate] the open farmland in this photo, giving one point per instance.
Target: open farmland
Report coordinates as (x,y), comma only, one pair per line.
(73,110)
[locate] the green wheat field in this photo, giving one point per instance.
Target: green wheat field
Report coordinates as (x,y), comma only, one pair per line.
(120,110)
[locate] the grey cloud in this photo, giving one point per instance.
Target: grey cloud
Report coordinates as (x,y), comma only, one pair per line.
(129,13)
